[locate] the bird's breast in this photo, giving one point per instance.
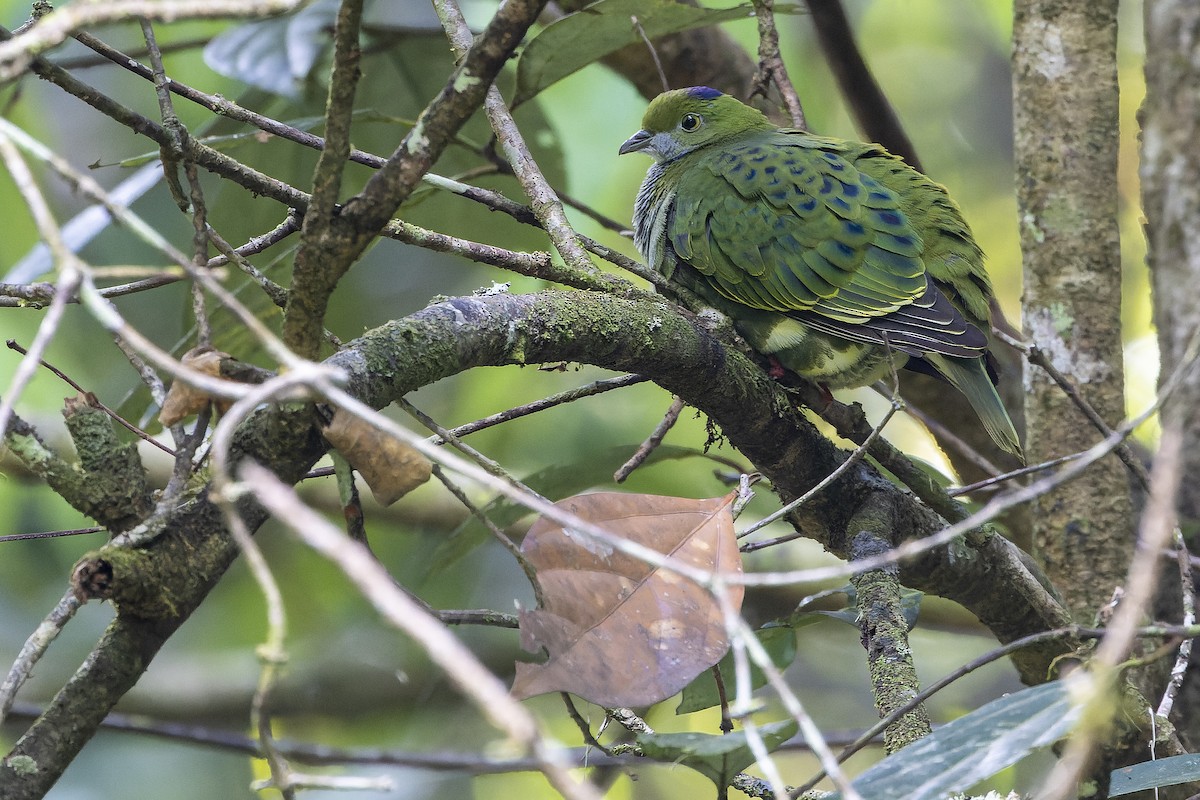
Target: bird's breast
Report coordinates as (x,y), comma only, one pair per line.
(651,211)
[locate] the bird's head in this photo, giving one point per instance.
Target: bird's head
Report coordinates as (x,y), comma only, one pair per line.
(682,120)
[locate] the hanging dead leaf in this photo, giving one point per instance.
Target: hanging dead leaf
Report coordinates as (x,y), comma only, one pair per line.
(390,466)
(619,631)
(183,400)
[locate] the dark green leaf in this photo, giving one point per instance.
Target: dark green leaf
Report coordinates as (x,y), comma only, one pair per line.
(604,27)
(719,758)
(951,759)
(1152,774)
(780,643)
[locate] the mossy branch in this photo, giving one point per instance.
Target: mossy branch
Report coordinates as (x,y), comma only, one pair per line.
(109,482)
(190,547)
(884,629)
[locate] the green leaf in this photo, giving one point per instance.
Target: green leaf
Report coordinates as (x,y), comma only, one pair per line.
(228,142)
(952,758)
(780,643)
(719,758)
(910,607)
(1152,774)
(578,39)
(848,615)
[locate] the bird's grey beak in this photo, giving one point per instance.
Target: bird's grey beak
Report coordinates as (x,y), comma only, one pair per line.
(638,141)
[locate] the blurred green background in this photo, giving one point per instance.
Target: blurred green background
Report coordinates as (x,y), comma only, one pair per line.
(352,681)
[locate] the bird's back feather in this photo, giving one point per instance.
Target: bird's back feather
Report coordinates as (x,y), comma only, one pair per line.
(834,256)
(789,222)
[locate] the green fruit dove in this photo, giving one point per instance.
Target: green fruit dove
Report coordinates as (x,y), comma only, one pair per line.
(835,259)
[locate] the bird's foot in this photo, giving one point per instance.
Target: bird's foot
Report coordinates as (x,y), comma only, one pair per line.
(825,396)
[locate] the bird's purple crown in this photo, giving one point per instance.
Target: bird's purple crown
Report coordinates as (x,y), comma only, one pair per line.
(703,93)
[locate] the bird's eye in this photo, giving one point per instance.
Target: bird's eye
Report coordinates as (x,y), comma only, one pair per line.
(690,122)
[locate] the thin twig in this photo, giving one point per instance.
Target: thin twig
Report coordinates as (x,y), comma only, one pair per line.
(33,294)
(652,441)
(569,396)
(585,730)
(743,703)
(490,465)
(497,534)
(129,426)
(146,373)
(189,444)
(641,32)
(71,273)
(770,64)
(1035,355)
(35,647)
(842,468)
(89,61)
(326,755)
(173,157)
(17,537)
(478,616)
(273,290)
(1187,591)
(1016,473)
(601,219)
(272,654)
(851,423)
(947,438)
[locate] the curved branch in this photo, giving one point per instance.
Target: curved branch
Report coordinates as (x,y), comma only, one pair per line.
(646,336)
(650,338)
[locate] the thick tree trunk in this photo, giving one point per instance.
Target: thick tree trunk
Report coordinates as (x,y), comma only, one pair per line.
(1171,199)
(1066,114)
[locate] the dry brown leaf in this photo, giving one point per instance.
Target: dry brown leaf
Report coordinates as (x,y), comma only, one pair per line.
(183,400)
(620,632)
(390,466)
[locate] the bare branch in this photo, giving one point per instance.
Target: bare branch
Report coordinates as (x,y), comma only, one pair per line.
(771,68)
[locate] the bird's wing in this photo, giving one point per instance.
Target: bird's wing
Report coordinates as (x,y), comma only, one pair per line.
(784,222)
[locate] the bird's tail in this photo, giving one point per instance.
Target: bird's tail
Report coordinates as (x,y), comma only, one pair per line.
(970,377)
